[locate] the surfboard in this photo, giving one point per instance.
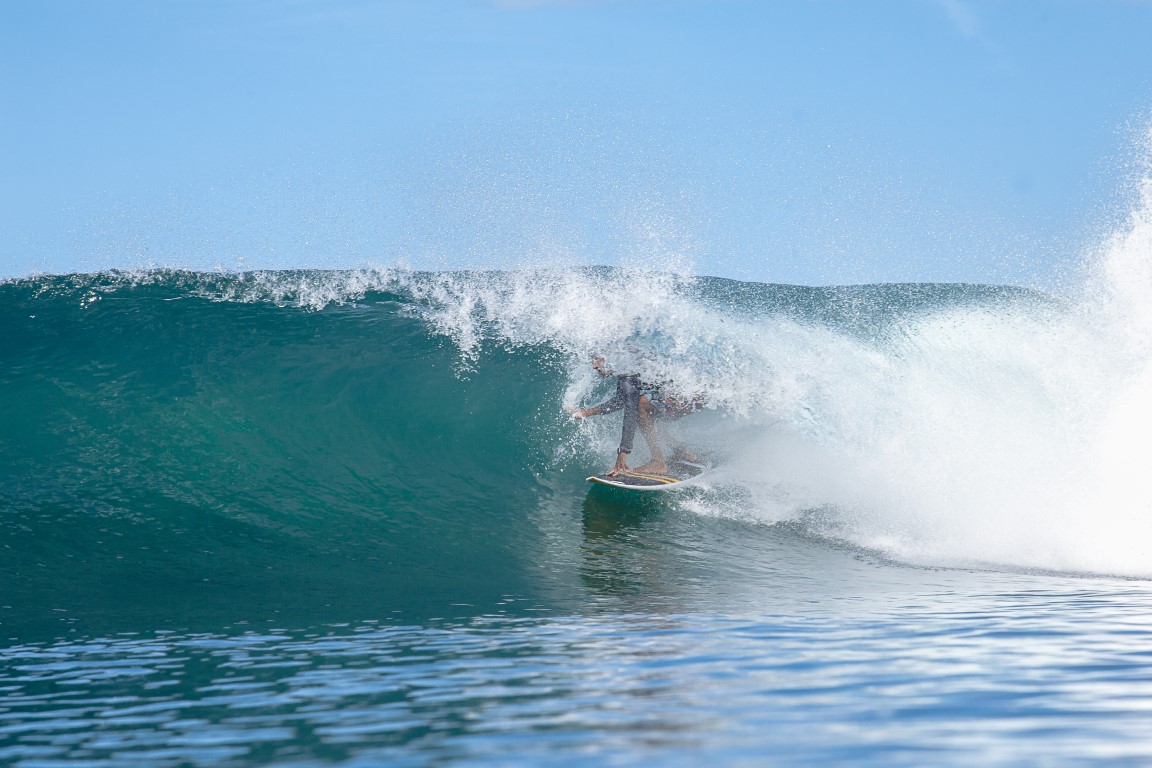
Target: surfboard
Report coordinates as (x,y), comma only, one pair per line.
(679,472)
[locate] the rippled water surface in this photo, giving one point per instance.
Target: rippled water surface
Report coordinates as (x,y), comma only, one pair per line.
(1038,670)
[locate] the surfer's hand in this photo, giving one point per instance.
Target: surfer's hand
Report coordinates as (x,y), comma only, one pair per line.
(576,413)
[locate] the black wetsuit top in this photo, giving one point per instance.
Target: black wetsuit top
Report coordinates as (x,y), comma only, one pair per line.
(629,388)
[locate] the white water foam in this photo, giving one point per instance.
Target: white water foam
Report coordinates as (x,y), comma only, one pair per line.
(1001,437)
(1003,434)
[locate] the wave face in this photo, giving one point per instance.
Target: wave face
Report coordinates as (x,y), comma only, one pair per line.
(322,437)
(161,443)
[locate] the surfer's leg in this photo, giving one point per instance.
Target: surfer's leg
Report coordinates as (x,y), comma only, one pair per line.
(676,408)
(647,422)
(680,451)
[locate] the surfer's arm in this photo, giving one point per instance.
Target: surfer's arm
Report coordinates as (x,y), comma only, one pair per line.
(583,413)
(623,387)
(608,406)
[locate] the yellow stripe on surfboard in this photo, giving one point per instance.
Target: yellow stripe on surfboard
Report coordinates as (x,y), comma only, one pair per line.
(659,478)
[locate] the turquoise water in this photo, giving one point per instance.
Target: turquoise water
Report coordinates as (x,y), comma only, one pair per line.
(340,518)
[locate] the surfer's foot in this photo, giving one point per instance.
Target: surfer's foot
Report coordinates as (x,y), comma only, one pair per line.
(653,468)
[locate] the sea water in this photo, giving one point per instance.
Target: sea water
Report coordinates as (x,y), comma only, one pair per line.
(339,518)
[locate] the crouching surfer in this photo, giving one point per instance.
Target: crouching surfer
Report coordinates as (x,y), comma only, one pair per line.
(644,404)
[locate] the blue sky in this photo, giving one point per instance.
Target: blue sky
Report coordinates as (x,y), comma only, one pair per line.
(812,141)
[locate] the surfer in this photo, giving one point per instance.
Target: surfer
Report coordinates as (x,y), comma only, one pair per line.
(644,404)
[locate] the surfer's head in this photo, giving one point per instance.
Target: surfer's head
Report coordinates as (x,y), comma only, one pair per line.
(601,366)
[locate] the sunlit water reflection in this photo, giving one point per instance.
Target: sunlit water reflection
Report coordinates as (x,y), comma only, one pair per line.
(1059,671)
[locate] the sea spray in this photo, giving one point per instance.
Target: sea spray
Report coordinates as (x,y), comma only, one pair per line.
(1118,298)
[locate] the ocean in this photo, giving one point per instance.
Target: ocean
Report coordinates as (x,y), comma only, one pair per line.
(314,518)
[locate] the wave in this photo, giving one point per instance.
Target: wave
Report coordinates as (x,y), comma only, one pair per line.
(390,432)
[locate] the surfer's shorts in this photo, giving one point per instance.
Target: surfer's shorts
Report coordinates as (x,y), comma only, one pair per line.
(671,407)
